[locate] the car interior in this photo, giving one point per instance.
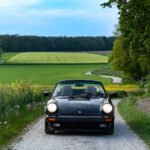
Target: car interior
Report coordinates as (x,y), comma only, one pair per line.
(68,91)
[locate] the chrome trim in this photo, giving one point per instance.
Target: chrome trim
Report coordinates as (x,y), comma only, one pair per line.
(81,117)
(47,116)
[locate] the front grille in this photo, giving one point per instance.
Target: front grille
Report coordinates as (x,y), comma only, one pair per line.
(81,117)
(79,125)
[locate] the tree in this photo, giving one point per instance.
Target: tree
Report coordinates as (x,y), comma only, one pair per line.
(16,43)
(132,42)
(1,52)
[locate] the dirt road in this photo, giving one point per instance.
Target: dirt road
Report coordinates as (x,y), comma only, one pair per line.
(123,139)
(115,80)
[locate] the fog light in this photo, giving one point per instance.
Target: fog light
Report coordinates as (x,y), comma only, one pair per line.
(106,116)
(102,125)
(56,124)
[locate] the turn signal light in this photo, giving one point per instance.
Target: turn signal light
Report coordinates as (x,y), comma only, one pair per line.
(108,120)
(51,119)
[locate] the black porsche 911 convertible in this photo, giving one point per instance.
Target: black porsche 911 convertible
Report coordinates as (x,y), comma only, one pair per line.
(79,105)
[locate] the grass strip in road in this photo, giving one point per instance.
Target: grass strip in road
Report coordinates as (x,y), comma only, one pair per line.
(137,120)
(107,70)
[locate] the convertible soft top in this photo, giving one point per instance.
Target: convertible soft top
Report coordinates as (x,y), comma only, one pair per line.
(79,81)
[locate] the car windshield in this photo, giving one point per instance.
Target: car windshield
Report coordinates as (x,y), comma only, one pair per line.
(79,89)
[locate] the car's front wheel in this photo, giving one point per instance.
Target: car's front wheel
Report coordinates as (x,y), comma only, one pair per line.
(48,128)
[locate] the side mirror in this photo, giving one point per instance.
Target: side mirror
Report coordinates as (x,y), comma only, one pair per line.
(47,94)
(112,94)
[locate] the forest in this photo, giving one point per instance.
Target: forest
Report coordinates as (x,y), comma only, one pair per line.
(17,43)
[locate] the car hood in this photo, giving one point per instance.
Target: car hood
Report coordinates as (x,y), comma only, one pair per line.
(78,107)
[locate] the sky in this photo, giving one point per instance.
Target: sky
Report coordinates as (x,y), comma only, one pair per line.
(57,18)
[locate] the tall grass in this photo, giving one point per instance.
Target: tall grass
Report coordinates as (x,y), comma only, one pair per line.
(20,103)
(137,120)
(148,86)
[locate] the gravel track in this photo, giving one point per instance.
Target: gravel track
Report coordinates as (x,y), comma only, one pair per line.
(122,139)
(115,80)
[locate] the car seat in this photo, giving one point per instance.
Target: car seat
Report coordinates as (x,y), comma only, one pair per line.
(66,91)
(91,90)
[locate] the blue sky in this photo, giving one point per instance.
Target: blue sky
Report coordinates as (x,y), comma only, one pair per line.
(57,18)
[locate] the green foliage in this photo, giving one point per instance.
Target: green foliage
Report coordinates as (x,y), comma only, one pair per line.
(138,121)
(133,42)
(119,57)
(16,43)
(1,52)
(148,86)
(20,103)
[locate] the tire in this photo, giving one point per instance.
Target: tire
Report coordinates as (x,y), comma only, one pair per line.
(48,129)
(110,129)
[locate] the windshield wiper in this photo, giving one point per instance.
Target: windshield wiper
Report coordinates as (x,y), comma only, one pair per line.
(96,95)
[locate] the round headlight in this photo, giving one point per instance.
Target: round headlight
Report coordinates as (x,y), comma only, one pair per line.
(52,107)
(107,108)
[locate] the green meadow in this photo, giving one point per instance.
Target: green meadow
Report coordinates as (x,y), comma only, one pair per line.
(47,74)
(56,58)
(7,56)
(47,68)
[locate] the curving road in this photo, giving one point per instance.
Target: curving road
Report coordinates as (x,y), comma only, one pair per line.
(123,139)
(115,80)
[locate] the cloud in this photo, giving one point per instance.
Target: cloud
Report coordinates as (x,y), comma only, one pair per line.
(6,4)
(19,8)
(62,16)
(52,13)
(77,13)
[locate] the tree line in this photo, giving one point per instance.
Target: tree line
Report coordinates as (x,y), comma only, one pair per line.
(131,50)
(17,43)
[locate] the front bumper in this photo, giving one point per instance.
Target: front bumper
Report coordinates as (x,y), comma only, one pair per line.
(80,123)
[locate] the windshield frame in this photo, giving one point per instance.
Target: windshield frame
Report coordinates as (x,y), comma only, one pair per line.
(78,81)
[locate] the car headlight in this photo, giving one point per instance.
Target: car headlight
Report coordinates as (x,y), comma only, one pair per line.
(52,107)
(107,108)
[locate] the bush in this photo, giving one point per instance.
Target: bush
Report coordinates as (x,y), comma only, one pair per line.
(17,96)
(148,90)
(20,103)
(1,51)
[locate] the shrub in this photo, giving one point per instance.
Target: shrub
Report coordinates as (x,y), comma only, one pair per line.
(16,99)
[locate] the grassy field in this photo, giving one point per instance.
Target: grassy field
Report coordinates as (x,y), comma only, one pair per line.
(7,56)
(138,121)
(107,70)
(104,53)
(47,74)
(55,58)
